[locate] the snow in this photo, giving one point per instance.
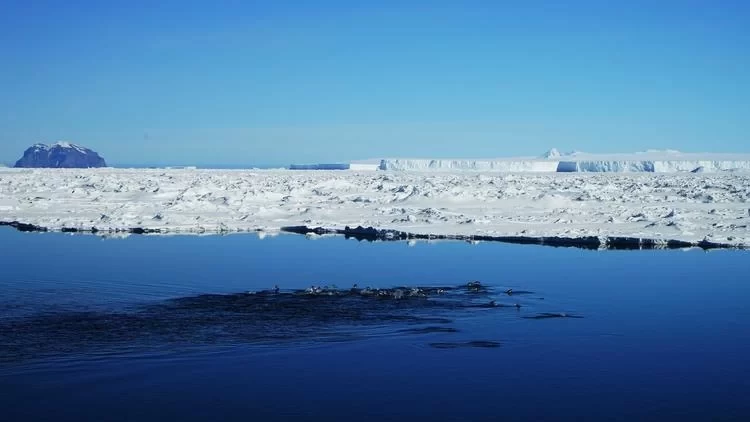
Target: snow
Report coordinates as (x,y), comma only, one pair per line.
(553,153)
(679,206)
(654,161)
(69,145)
(61,144)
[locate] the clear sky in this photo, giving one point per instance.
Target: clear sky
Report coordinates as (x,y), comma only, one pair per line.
(276,82)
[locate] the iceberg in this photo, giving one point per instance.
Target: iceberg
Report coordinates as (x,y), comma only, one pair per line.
(651,161)
(354,166)
(502,165)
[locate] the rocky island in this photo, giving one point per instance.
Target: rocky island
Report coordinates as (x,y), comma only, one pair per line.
(59,155)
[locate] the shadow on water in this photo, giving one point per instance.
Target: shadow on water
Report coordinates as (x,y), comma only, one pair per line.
(275,317)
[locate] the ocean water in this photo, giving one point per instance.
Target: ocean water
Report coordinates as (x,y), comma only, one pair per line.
(165,328)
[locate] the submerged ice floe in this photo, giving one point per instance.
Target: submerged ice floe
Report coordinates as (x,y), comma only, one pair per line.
(611,209)
(268,317)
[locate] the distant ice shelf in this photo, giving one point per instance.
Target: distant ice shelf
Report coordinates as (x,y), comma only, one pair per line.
(553,161)
(502,165)
(652,161)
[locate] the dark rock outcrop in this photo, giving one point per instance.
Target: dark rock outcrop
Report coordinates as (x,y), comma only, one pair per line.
(60,155)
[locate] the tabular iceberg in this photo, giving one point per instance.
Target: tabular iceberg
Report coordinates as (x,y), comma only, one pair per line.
(553,161)
(502,165)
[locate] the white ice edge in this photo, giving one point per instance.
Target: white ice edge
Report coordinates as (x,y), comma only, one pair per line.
(654,161)
(688,207)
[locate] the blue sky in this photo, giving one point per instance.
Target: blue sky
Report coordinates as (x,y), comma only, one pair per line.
(276,82)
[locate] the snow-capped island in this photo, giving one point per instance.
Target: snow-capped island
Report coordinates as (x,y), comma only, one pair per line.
(60,155)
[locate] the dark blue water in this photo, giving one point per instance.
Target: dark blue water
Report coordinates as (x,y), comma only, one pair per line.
(122,329)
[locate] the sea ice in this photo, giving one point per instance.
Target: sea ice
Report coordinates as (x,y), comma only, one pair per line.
(685,206)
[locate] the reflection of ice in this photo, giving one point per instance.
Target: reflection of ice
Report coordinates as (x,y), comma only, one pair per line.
(120,235)
(264,234)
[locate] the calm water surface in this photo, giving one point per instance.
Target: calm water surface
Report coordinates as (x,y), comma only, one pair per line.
(123,329)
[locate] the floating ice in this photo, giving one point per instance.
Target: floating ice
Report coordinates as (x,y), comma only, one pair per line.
(681,206)
(651,161)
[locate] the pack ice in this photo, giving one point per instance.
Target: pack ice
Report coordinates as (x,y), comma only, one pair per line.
(663,206)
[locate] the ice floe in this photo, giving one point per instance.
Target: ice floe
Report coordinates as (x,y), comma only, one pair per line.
(683,206)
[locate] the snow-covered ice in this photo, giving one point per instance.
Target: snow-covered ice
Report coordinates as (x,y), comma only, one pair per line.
(688,206)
